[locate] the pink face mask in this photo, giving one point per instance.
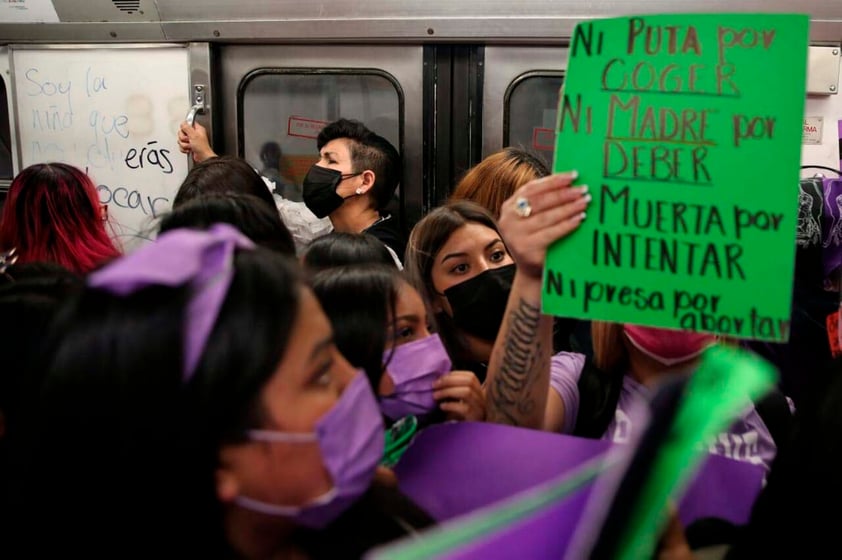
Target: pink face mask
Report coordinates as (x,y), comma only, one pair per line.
(666,346)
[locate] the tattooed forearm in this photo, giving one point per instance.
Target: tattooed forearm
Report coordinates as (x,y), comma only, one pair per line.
(511,398)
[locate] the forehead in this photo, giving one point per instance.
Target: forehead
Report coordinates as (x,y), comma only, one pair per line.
(339,147)
(471,238)
(408,301)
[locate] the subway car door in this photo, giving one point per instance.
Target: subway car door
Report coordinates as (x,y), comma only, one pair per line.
(276,98)
(520,98)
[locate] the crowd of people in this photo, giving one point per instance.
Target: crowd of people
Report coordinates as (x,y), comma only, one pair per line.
(242,385)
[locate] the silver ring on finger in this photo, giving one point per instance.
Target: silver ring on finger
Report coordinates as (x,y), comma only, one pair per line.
(522,207)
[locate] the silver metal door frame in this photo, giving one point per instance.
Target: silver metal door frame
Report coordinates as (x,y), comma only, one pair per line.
(503,65)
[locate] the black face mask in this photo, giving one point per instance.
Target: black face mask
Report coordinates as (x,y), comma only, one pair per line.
(479,304)
(319,190)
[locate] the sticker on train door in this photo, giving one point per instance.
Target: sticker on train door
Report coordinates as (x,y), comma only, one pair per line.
(305,128)
(543,139)
(811,132)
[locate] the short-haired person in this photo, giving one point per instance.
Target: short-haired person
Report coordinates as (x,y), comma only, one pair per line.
(351,184)
(354,180)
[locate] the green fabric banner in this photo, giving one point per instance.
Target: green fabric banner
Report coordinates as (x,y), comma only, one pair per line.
(724,384)
(445,539)
(728,380)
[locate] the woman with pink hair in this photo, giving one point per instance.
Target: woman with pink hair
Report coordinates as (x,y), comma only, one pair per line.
(52,214)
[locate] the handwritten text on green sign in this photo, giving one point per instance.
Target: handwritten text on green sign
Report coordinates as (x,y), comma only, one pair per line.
(668,119)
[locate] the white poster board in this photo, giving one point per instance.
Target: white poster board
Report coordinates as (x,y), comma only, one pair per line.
(113,112)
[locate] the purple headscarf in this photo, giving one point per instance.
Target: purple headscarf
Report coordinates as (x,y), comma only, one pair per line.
(203,260)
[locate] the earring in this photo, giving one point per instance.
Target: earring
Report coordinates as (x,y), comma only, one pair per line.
(359,190)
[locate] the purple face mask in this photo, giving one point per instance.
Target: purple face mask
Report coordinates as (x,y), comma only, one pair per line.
(413,367)
(350,437)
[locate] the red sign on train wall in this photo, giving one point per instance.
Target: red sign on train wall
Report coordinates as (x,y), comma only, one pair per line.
(543,139)
(304,128)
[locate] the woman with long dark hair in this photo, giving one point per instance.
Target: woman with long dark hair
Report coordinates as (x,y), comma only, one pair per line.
(194,404)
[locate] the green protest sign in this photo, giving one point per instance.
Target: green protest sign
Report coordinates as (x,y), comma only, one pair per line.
(687,130)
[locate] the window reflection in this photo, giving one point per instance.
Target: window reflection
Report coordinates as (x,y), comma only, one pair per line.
(531,104)
(284,110)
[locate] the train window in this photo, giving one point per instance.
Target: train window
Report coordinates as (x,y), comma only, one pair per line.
(529,113)
(6,170)
(282,111)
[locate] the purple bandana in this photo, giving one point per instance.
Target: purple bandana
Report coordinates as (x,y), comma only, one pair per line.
(202,259)
(832,225)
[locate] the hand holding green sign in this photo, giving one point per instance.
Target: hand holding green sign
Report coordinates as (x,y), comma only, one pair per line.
(670,119)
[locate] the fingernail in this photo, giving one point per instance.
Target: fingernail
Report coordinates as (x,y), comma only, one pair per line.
(569,175)
(583,189)
(582,216)
(587,198)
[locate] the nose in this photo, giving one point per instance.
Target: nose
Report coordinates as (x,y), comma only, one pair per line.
(483,265)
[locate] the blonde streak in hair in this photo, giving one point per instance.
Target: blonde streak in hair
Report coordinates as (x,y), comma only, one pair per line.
(520,175)
(608,344)
(483,186)
(467,186)
(599,342)
(502,187)
(514,175)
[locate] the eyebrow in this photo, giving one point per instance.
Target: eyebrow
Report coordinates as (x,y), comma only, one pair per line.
(321,347)
(463,254)
(408,317)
